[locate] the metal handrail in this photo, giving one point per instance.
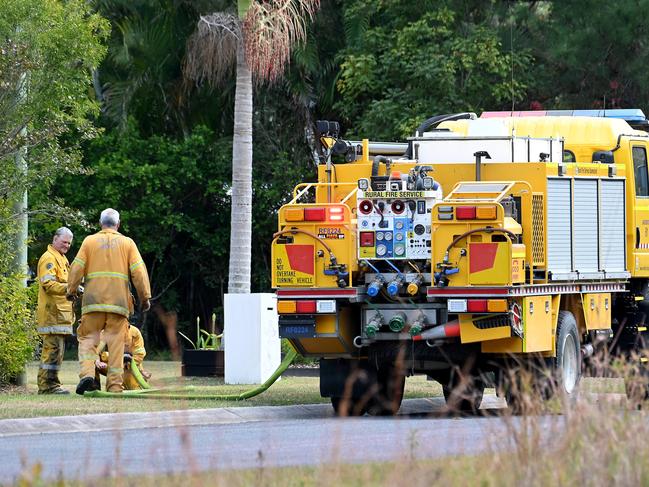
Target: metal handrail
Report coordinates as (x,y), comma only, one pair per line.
(307,186)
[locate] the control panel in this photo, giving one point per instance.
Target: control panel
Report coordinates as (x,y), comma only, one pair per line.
(395,224)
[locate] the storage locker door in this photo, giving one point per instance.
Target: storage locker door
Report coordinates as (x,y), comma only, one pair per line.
(585,228)
(559,205)
(612,226)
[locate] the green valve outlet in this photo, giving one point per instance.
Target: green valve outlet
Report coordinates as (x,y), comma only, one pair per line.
(397,322)
(416,328)
(373,326)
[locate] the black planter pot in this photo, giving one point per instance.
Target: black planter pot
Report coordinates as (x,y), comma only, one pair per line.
(203,363)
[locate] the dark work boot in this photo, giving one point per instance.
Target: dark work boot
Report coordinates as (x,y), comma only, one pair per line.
(86,384)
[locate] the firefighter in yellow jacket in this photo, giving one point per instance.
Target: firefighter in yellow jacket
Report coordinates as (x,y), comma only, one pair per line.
(134,351)
(106,260)
(54,315)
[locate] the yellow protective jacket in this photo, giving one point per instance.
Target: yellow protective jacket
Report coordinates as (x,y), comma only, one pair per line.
(106,260)
(54,313)
(134,345)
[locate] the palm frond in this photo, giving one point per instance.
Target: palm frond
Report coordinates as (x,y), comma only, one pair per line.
(212,48)
(271,29)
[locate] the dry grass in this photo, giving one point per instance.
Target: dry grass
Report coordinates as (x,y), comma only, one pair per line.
(25,403)
(590,444)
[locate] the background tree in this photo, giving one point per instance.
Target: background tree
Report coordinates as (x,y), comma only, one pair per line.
(47,51)
(379,67)
(405,62)
(259,41)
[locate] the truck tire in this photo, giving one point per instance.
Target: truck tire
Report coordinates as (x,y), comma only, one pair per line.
(349,384)
(463,394)
(344,406)
(567,363)
(387,400)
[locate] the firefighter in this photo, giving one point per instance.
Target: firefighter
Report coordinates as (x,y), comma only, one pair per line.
(134,351)
(54,315)
(106,260)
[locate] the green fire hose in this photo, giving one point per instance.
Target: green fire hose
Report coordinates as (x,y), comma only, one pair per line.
(135,370)
(149,393)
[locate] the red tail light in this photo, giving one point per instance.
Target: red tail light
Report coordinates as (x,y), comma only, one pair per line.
(304,307)
(476,306)
(464,212)
(315,214)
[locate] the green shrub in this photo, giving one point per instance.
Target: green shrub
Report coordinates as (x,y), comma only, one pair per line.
(17,330)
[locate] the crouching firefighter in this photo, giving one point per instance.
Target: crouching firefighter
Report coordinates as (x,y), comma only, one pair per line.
(134,353)
(55,314)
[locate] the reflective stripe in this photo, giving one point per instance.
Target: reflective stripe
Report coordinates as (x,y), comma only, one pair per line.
(114,370)
(48,277)
(136,265)
(117,275)
(139,350)
(79,261)
(108,308)
(85,357)
(62,329)
(50,367)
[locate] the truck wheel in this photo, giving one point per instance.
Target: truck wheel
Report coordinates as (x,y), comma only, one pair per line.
(462,393)
(388,398)
(567,363)
(344,406)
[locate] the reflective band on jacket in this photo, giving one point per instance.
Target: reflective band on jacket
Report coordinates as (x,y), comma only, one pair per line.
(114,370)
(50,367)
(48,277)
(106,308)
(62,329)
(139,350)
(79,261)
(84,357)
(136,265)
(117,275)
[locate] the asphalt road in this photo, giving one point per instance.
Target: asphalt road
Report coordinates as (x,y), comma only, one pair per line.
(83,447)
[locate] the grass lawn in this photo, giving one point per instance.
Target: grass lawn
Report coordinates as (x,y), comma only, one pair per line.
(24,402)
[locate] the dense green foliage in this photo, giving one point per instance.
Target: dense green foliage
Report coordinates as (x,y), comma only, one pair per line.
(173,198)
(48,49)
(17,330)
(404,64)
(379,67)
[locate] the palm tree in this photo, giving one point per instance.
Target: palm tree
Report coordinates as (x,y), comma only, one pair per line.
(258,42)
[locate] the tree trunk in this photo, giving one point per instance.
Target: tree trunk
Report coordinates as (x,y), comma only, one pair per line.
(241,208)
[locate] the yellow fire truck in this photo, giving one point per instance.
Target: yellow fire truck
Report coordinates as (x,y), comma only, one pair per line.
(480,244)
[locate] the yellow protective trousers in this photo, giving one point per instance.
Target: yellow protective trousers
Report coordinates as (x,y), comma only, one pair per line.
(115,327)
(129,381)
(51,360)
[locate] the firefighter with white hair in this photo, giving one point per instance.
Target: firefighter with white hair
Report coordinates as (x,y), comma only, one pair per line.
(107,261)
(54,315)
